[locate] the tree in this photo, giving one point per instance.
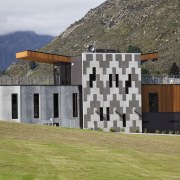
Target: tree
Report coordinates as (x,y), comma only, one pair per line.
(32,65)
(133,49)
(174,70)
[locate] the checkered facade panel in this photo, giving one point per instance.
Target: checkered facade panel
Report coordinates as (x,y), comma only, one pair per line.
(112,91)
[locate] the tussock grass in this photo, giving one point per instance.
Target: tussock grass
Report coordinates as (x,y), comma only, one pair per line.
(42,152)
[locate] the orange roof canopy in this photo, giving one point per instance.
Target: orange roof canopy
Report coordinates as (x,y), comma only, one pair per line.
(42,57)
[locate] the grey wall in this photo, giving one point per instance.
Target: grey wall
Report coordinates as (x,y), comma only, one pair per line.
(163,121)
(5,102)
(26,107)
(76,71)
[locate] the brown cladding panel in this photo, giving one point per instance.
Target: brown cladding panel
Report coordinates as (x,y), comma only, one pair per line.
(42,57)
(168,97)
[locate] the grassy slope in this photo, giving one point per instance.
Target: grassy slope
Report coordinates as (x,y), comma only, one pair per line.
(41,152)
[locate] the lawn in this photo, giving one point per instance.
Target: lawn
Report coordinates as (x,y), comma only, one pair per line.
(42,152)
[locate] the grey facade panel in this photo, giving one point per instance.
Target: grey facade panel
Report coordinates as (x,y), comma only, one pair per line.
(102,95)
(76,71)
(5,103)
(162,121)
(46,107)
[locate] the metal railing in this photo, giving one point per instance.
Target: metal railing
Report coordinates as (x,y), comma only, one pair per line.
(161,80)
(9,80)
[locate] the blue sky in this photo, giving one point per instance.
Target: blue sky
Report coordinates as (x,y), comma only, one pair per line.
(44,17)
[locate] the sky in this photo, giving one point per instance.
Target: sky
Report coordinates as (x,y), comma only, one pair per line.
(42,16)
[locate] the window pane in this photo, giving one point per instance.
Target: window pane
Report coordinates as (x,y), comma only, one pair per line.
(110,80)
(153,102)
(56,105)
(108,115)
(75,105)
(36,105)
(124,120)
(14,100)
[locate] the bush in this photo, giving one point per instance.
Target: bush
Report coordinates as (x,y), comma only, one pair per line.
(122,129)
(32,65)
(137,130)
(157,131)
(112,130)
(145,131)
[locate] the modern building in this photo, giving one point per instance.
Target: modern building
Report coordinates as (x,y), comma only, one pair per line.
(95,90)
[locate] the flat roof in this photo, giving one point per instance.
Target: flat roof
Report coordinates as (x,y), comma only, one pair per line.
(149,56)
(42,57)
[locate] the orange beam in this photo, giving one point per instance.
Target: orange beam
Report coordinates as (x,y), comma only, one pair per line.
(42,57)
(150,56)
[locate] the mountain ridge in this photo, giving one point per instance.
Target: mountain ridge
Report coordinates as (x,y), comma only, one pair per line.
(18,41)
(116,24)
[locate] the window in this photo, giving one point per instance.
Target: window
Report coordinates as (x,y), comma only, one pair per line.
(124,120)
(153,102)
(92,77)
(56,105)
(36,105)
(110,80)
(101,114)
(75,105)
(128,83)
(117,80)
(108,115)
(14,101)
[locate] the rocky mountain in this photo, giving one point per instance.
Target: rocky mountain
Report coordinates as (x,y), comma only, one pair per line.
(150,25)
(19,41)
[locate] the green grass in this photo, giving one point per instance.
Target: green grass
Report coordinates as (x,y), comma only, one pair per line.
(40,152)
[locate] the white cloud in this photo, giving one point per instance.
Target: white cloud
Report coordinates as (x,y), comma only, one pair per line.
(44,17)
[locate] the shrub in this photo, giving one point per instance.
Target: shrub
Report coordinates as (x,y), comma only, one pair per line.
(137,130)
(99,129)
(122,130)
(112,130)
(145,131)
(157,131)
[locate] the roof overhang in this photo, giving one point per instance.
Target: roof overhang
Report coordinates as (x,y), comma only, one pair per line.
(42,57)
(149,56)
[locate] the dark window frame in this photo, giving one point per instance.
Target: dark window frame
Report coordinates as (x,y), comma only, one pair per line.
(75,104)
(117,80)
(110,81)
(108,114)
(92,77)
(101,114)
(56,105)
(124,120)
(14,106)
(153,102)
(36,105)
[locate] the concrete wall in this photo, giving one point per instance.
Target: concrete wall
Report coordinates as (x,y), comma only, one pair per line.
(5,103)
(26,104)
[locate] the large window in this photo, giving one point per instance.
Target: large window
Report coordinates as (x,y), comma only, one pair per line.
(101,114)
(92,77)
(107,115)
(153,102)
(36,105)
(75,105)
(124,120)
(14,101)
(56,105)
(110,80)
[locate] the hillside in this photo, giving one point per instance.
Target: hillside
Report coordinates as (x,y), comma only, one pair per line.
(149,25)
(19,41)
(42,152)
